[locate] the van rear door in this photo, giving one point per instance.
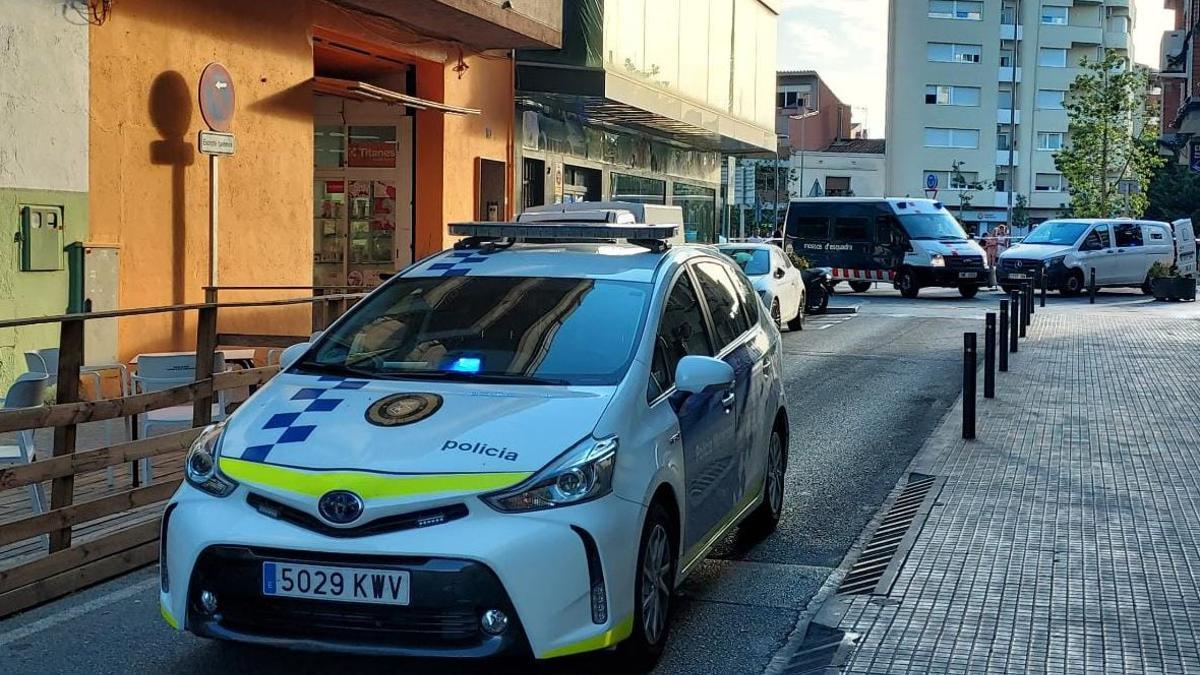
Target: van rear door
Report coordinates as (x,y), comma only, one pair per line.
(1185,247)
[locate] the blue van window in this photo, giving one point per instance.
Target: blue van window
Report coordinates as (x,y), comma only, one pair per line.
(810,227)
(852,229)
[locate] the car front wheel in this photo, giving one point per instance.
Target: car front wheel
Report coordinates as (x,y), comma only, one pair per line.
(906,281)
(653,589)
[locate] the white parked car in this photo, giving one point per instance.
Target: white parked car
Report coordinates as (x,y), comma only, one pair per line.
(775,278)
(506,448)
(1121,252)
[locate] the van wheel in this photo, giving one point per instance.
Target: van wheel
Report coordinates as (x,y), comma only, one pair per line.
(906,281)
(653,587)
(968,291)
(860,286)
(1073,285)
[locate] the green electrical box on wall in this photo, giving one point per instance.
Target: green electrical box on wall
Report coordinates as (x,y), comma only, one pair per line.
(41,238)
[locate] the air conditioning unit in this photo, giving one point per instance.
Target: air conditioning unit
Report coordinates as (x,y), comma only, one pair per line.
(1174,51)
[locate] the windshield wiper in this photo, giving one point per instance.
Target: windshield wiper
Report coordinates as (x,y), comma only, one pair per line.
(457,376)
(335,369)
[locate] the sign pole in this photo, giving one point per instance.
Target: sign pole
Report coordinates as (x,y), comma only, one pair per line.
(213,162)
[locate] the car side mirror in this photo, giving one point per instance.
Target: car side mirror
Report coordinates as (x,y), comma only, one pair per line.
(292,354)
(779,273)
(698,374)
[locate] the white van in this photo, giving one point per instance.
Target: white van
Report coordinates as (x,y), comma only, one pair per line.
(1120,251)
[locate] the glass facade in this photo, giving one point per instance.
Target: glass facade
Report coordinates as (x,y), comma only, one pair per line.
(627,188)
(699,211)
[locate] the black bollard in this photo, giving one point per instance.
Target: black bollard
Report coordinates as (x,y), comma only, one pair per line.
(1014,322)
(1002,337)
(1024,297)
(1032,304)
(1092,288)
(989,357)
(969,366)
(1042,276)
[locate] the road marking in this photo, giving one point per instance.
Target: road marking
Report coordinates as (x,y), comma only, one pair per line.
(823,321)
(76,612)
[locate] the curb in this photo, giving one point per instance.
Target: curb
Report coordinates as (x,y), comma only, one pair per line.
(852,309)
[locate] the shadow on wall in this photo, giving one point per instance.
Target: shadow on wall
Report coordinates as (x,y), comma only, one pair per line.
(170,105)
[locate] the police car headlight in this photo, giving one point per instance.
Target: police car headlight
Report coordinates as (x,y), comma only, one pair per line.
(936,260)
(580,475)
(200,466)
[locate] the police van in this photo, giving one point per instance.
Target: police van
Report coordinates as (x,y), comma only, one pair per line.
(912,243)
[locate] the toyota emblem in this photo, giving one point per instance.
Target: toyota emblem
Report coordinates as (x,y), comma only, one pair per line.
(340,507)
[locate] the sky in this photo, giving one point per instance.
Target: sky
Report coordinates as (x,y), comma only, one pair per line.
(846,42)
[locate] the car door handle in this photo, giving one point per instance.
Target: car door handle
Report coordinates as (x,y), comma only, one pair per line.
(1120,250)
(728,399)
(675,437)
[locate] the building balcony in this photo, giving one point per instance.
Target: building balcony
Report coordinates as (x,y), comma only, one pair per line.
(1007,116)
(1009,74)
(1010,31)
(1002,158)
(1118,40)
(1085,35)
(482,24)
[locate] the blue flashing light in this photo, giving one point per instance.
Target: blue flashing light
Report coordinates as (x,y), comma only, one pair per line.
(467,364)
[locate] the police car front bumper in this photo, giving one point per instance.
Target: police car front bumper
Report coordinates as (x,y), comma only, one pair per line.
(952,278)
(532,566)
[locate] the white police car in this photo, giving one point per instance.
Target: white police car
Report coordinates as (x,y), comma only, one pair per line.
(506,448)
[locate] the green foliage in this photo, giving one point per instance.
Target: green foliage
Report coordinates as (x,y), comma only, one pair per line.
(1113,138)
(799,261)
(1020,211)
(1174,194)
(1160,271)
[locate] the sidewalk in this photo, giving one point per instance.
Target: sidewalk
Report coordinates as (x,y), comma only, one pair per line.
(1067,538)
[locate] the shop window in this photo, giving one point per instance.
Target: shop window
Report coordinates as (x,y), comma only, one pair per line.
(626,188)
(699,211)
(371,147)
(329,147)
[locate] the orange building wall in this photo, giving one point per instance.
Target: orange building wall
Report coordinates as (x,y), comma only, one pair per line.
(149,185)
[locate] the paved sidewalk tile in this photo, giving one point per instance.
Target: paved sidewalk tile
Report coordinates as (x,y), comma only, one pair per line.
(1067,538)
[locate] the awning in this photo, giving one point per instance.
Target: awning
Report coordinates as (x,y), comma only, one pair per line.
(361,91)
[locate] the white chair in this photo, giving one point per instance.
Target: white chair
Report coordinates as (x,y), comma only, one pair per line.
(27,392)
(159,372)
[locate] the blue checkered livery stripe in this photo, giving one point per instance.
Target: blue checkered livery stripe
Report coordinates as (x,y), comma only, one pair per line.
(457,263)
(297,425)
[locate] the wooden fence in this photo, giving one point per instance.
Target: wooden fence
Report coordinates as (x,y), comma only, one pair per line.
(65,565)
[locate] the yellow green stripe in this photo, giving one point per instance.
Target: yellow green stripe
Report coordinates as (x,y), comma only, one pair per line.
(608,638)
(365,485)
(166,615)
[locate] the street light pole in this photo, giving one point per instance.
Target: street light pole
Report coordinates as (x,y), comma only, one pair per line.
(1012,115)
(802,117)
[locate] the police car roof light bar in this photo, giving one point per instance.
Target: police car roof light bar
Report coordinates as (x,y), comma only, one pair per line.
(652,237)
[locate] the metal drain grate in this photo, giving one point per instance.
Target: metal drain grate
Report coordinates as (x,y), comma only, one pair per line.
(824,649)
(882,556)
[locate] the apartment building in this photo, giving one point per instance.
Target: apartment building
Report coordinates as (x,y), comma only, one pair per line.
(1179,77)
(982,85)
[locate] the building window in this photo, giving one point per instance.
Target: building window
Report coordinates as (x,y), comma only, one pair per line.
(837,186)
(938,137)
(1051,99)
(1049,57)
(1056,16)
(1049,182)
(699,211)
(1004,101)
(1001,180)
(626,188)
(969,10)
(1003,140)
(949,52)
(940,94)
(1050,140)
(948,180)
(791,99)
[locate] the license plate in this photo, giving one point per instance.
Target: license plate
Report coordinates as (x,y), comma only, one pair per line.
(336,584)
(967,275)
(1018,275)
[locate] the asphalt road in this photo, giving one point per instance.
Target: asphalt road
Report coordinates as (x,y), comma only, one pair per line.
(864,393)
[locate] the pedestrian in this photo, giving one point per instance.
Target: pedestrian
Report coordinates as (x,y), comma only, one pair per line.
(1001,240)
(989,246)
(777,237)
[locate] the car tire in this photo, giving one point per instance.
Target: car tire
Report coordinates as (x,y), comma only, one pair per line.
(906,281)
(798,322)
(968,292)
(764,519)
(860,286)
(776,316)
(818,301)
(1074,285)
(652,623)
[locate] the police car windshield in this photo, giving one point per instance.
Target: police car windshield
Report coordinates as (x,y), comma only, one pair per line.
(1056,232)
(521,330)
(753,261)
(932,226)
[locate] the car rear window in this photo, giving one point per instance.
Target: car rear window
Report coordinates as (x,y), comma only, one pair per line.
(508,329)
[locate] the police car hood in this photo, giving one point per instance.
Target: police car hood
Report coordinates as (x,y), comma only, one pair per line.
(1036,251)
(308,433)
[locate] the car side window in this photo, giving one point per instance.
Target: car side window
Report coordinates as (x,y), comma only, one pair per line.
(747,294)
(1097,239)
(681,333)
(1157,234)
(1128,235)
(724,303)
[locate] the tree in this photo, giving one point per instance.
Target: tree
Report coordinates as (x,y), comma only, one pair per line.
(1020,212)
(1113,138)
(1174,193)
(958,181)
